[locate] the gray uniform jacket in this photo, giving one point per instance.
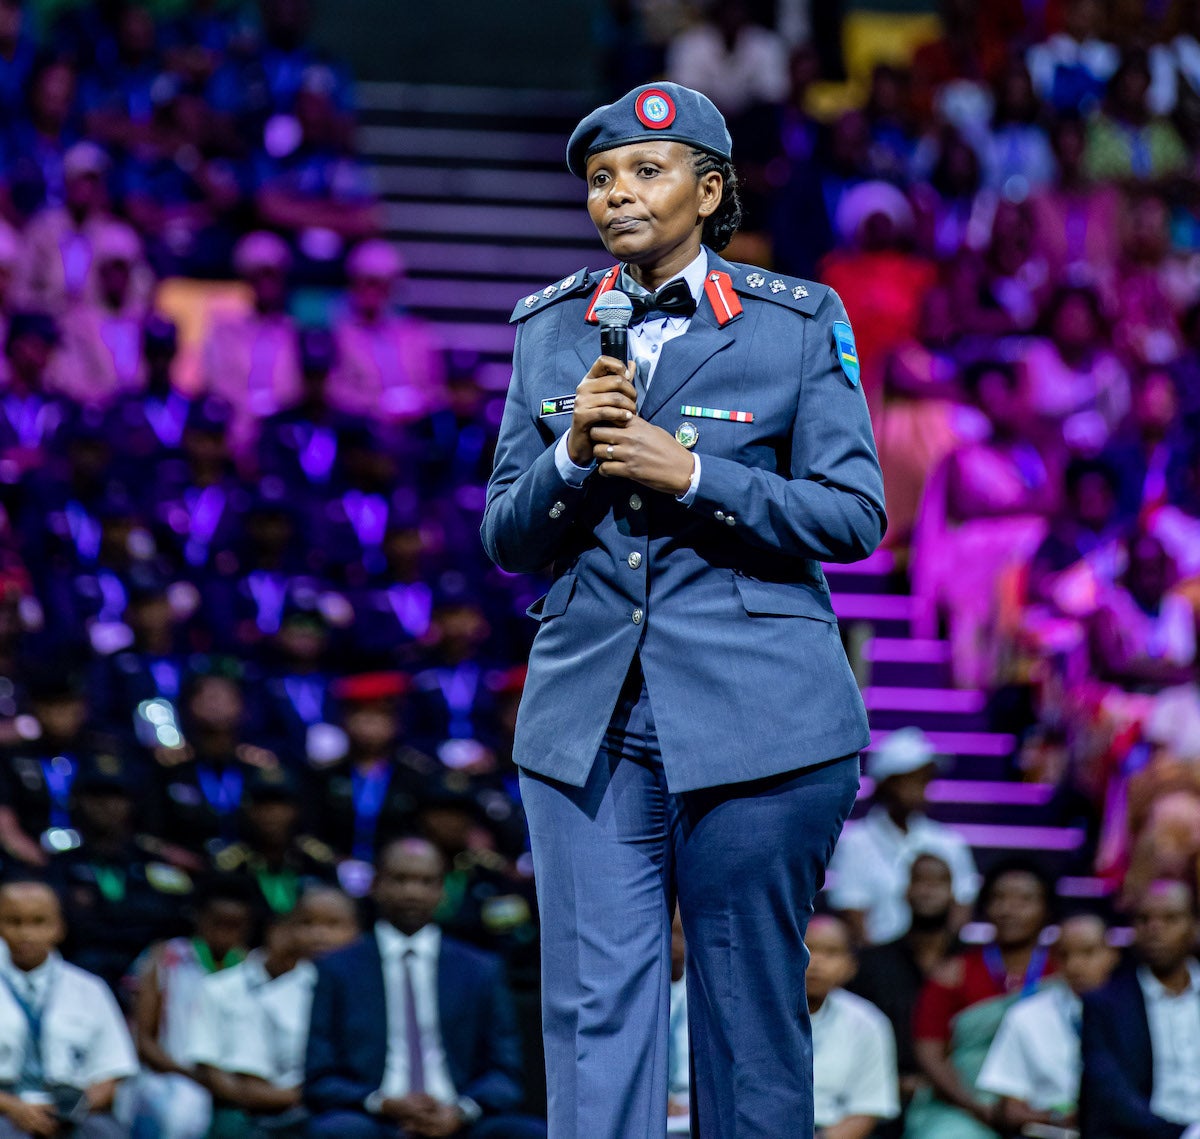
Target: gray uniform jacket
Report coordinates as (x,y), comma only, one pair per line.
(724,600)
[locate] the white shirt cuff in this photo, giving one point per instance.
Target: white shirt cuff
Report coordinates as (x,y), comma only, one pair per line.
(1192,1132)
(568,470)
(689,495)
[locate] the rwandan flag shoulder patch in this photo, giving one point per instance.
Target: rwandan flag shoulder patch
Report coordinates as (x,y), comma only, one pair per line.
(843,338)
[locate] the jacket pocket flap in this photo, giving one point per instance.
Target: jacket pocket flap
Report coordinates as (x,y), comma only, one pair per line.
(553,603)
(783,599)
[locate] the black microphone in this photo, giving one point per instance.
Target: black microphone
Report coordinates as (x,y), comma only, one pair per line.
(614,311)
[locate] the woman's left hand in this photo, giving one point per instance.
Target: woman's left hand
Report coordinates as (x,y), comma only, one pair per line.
(645,454)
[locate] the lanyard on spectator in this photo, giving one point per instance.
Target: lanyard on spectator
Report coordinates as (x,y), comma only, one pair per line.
(222,790)
(1037,966)
(59,774)
(279,888)
(110,881)
(32,1075)
(209,963)
(369,790)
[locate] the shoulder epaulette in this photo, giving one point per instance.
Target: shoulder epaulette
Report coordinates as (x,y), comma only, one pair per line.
(570,286)
(790,292)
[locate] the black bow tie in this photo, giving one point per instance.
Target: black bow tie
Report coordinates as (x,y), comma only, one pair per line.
(674,299)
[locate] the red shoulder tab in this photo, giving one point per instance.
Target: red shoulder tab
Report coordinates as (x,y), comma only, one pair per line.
(608,281)
(726,304)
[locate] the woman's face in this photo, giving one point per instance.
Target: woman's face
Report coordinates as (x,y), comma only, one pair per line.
(647,203)
(1017,908)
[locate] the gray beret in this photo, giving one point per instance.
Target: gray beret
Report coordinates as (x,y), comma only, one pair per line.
(656,110)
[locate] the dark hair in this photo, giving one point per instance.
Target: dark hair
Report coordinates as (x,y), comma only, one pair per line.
(1080,468)
(1018,864)
(972,375)
(720,227)
(1062,296)
(217,887)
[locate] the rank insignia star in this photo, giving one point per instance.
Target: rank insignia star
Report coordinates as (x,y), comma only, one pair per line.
(756,280)
(777,286)
(568,282)
(531,301)
(799,292)
(549,291)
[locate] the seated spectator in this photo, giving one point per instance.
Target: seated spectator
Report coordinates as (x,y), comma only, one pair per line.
(117,95)
(1126,142)
(882,282)
(1088,530)
(37,775)
(411,1029)
(167,1094)
(1076,219)
(1143,636)
(854,1054)
(1034,1063)
(953,212)
(66,1044)
(1142,1029)
(179,189)
(311,188)
(389,366)
(1014,152)
(121,890)
(38,141)
(300,444)
(372,794)
(252,359)
(18,58)
(101,355)
(202,781)
(891,976)
(1076,387)
(1149,456)
(251,1028)
(1155,283)
(280,861)
(1071,69)
(962,1005)
(31,420)
(56,265)
(734,59)
(870,867)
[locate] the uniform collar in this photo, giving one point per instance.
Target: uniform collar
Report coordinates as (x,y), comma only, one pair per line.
(692,275)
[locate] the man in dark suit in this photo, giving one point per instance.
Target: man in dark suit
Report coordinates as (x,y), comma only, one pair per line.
(412,1034)
(1141,1032)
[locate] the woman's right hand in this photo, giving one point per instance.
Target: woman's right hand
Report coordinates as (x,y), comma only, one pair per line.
(605,395)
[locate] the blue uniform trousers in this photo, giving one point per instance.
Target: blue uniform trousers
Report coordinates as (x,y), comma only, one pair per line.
(745,861)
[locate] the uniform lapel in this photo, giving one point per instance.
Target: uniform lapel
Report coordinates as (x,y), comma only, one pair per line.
(684,356)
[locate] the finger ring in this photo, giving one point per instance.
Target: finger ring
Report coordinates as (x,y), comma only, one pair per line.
(610,452)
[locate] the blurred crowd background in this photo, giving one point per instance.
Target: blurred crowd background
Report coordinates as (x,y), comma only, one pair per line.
(248,634)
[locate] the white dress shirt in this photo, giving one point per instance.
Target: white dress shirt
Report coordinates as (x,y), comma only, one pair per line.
(646,341)
(425,945)
(1035,1056)
(854,1061)
(1175,1044)
(253,1024)
(84,1038)
(870,869)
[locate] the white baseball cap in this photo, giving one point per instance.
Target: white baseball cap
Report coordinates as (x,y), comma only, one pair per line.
(905,750)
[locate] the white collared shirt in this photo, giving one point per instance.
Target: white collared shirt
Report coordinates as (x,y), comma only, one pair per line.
(251,1023)
(84,1038)
(870,869)
(854,1061)
(425,945)
(1175,1044)
(1035,1057)
(646,341)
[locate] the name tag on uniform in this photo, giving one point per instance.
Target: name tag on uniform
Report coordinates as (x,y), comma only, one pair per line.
(562,405)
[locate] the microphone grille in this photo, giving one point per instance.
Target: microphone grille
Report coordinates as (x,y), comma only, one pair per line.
(613,309)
